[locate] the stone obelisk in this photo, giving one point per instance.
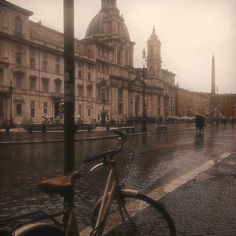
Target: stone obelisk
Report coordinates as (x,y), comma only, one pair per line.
(213,86)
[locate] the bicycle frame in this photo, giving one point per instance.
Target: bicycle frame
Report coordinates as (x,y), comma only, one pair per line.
(112,191)
(111,186)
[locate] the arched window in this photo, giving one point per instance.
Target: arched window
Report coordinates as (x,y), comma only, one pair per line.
(119,57)
(18,27)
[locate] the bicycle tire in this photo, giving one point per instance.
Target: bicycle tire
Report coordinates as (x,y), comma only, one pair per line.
(149,216)
(39,230)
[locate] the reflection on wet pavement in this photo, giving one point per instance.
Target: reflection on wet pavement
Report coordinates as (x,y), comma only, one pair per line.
(148,163)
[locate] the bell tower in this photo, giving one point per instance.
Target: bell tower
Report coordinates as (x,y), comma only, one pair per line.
(154,57)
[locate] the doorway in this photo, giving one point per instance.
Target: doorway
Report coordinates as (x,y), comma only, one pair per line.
(103,118)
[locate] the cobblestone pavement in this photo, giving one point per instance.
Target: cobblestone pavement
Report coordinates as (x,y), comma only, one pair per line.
(204,206)
(207,204)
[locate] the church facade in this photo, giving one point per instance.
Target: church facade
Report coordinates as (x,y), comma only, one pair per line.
(107,85)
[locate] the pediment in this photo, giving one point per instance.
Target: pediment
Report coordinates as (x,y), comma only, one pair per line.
(138,81)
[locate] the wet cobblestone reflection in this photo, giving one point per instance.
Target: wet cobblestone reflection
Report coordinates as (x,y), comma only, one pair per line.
(147,162)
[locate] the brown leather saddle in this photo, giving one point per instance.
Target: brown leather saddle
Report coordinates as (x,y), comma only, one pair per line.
(62,185)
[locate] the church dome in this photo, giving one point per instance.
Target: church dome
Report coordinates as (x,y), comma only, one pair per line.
(108,22)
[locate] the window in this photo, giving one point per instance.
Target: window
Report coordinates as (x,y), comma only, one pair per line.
(90,91)
(151,50)
(33,82)
(120,108)
(32,62)
(18,27)
(45,65)
(89,112)
(45,84)
(45,55)
(18,109)
(89,76)
(120,100)
(57,58)
(80,90)
(119,27)
(18,80)
(58,86)
(57,66)
(120,94)
(45,108)
(80,109)
(126,57)
(18,58)
(32,109)
(80,71)
(80,74)
(103,94)
(109,27)
(119,57)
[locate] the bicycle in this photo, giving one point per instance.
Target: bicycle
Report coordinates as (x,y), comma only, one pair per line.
(118,212)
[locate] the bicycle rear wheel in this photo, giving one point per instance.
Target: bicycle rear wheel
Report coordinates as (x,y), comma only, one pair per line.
(38,229)
(140,215)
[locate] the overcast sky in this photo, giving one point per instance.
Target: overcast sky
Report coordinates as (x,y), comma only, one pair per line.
(190,32)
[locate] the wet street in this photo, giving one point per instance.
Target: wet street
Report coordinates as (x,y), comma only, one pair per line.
(148,162)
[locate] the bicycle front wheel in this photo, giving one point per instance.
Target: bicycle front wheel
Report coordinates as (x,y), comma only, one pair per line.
(137,215)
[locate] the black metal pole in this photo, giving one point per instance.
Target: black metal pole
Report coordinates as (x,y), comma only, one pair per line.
(69,93)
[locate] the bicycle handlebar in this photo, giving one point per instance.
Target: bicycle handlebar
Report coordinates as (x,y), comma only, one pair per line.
(110,153)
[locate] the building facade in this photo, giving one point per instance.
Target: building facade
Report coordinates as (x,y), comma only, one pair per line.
(189,103)
(223,105)
(107,86)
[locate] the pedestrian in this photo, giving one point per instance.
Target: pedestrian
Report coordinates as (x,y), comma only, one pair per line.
(225,122)
(108,127)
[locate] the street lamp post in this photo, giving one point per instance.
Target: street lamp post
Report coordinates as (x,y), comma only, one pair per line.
(144,118)
(234,113)
(10,89)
